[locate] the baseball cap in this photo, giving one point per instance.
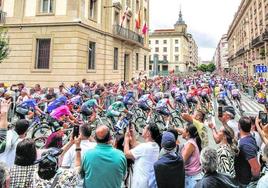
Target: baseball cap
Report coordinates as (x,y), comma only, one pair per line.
(168,141)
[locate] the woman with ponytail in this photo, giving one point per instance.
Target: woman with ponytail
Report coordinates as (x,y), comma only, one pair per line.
(191,155)
(227,150)
(144,154)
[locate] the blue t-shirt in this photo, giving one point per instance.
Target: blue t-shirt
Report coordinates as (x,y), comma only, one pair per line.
(248,150)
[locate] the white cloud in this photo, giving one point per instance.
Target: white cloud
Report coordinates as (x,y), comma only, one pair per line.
(207,20)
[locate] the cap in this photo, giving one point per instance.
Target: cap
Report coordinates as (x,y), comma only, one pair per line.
(168,141)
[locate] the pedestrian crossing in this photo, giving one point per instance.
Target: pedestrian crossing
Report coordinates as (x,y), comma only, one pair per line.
(249,106)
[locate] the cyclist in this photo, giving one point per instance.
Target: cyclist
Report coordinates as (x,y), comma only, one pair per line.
(115,109)
(128,99)
(28,107)
(221,97)
(88,108)
(145,102)
(191,96)
(162,107)
(180,96)
(236,95)
(205,95)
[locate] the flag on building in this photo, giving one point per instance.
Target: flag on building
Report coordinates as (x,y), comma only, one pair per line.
(124,17)
(145,28)
(138,20)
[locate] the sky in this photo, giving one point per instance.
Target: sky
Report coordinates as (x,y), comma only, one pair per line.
(207,20)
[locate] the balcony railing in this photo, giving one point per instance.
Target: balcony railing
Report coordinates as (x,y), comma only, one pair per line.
(265,36)
(240,52)
(2,17)
(128,34)
(257,41)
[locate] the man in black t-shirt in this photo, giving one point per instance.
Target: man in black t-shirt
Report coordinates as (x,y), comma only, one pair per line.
(51,96)
(246,165)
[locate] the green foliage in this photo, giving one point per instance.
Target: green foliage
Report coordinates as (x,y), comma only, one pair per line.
(207,68)
(4,48)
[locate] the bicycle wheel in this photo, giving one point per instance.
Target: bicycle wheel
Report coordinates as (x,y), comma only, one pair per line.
(43,130)
(40,142)
(67,135)
(177,122)
(101,121)
(140,120)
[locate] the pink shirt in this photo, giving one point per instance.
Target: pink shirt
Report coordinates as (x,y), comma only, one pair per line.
(60,111)
(192,165)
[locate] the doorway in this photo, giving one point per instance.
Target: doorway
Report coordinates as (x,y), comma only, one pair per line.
(126,67)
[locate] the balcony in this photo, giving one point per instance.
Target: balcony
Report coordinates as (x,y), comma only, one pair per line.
(265,36)
(257,41)
(2,17)
(240,52)
(127,34)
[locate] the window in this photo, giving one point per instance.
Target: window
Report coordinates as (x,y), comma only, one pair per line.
(164,58)
(156,49)
(137,61)
(176,41)
(128,23)
(149,41)
(93,9)
(91,55)
(156,41)
(42,53)
(115,58)
(47,6)
(145,63)
(165,49)
(116,18)
(165,41)
(176,49)
(176,58)
(137,6)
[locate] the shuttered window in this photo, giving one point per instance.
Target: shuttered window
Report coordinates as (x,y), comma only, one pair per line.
(42,53)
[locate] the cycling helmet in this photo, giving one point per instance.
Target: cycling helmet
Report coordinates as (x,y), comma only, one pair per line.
(96,97)
(119,98)
(230,110)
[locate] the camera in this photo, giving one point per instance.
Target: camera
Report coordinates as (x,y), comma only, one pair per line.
(263,117)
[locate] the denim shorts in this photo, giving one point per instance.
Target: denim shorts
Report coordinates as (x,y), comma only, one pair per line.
(190,181)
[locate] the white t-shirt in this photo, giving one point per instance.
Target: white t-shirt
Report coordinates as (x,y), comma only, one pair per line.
(69,157)
(145,154)
(234,125)
(8,156)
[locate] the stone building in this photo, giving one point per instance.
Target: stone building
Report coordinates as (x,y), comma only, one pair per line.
(175,48)
(54,41)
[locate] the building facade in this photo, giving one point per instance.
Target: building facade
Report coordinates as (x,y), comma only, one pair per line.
(175,48)
(54,41)
(221,55)
(248,38)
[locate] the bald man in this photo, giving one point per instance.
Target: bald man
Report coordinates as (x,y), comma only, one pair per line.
(104,166)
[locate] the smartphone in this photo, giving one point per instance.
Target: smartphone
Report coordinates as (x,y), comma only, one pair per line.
(220,112)
(75,131)
(263,117)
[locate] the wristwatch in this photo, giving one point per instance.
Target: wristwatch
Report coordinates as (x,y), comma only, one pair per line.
(77,149)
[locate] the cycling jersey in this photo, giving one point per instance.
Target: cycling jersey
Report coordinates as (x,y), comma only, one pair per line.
(56,103)
(222,94)
(60,111)
(127,99)
(163,103)
(92,103)
(76,100)
(115,108)
(192,93)
(235,92)
(205,91)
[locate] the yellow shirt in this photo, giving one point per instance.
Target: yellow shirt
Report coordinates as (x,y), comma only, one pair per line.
(202,132)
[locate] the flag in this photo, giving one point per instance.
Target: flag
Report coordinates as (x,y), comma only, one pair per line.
(145,28)
(138,20)
(124,17)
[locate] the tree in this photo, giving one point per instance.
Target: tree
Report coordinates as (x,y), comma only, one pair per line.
(203,68)
(211,67)
(4,48)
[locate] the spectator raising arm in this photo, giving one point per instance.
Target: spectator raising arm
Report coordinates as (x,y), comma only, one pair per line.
(4,107)
(260,130)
